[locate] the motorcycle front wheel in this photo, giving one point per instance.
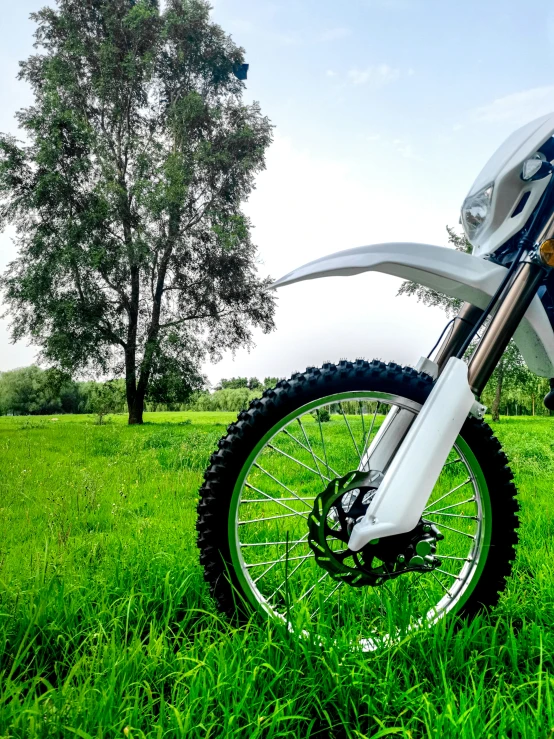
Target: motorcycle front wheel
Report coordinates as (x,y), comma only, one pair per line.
(277,506)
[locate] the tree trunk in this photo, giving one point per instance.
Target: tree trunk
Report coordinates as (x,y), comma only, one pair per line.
(135,399)
(136,409)
(498,394)
(135,395)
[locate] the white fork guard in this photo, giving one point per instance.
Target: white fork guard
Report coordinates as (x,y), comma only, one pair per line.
(405,489)
(452,272)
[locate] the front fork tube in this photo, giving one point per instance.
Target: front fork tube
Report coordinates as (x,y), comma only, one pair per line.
(512,306)
(412,452)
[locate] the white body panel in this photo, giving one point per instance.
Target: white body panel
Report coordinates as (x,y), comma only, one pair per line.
(504,170)
(412,474)
(454,273)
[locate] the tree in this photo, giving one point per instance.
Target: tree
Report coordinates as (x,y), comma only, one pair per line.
(510,372)
(511,367)
(234,383)
(135,257)
(107,398)
(31,390)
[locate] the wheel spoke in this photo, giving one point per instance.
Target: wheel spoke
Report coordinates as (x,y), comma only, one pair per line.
(275,561)
(264,500)
(276,500)
(323,445)
(438,500)
(293,459)
(282,559)
(446,590)
(453,515)
(298,566)
(363,426)
(452,461)
(316,458)
(446,508)
(444,526)
(350,432)
(282,484)
(271,518)
(445,572)
(366,442)
(273,543)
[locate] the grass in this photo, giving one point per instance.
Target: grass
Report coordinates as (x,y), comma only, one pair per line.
(107,629)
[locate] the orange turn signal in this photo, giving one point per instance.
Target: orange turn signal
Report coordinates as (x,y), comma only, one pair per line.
(546,251)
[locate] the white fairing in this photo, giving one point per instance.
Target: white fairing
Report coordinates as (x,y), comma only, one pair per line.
(504,171)
(416,466)
(448,271)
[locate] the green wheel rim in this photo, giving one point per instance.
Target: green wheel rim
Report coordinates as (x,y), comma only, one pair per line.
(301,599)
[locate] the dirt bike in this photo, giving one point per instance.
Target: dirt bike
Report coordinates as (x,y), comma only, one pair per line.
(374,496)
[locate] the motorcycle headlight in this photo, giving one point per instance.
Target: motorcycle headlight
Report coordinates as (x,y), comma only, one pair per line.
(475,211)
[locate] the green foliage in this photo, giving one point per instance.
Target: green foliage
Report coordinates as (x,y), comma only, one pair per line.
(108,629)
(235,383)
(252,383)
(234,394)
(322,415)
(135,257)
(30,390)
(33,391)
(230,399)
(107,397)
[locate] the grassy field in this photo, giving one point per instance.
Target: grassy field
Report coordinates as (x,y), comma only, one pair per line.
(107,630)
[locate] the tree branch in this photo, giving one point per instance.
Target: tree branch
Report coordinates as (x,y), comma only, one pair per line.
(194,317)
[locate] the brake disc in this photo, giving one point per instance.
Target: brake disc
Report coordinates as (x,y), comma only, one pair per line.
(336,511)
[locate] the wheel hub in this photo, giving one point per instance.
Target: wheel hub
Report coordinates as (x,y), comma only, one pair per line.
(336,511)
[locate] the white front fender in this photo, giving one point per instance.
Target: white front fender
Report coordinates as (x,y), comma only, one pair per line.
(448,271)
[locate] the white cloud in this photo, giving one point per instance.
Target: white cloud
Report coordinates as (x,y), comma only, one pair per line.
(334,34)
(518,107)
(376,75)
(323,208)
(404,148)
(331,73)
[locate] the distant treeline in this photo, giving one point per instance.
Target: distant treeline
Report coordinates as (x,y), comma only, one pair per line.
(34,391)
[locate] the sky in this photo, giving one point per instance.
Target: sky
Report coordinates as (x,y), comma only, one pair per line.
(384,113)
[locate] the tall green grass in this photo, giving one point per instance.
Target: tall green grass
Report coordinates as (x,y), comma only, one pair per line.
(107,629)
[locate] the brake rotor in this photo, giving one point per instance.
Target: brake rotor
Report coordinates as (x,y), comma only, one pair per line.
(336,511)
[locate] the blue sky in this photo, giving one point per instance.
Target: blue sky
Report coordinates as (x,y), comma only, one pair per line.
(384,113)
